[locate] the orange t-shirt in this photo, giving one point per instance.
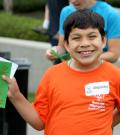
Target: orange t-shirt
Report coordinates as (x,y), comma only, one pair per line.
(71,102)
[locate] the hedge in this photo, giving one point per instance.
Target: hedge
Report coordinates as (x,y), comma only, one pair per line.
(20,27)
(26,5)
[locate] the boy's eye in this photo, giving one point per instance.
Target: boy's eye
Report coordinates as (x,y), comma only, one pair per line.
(75,38)
(92,36)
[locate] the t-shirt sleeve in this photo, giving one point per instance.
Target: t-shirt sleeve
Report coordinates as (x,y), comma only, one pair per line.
(41,99)
(113,25)
(62,19)
(65,12)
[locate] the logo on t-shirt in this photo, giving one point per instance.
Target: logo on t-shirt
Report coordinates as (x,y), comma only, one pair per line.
(97,90)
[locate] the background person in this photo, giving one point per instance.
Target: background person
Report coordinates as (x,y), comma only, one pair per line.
(45,25)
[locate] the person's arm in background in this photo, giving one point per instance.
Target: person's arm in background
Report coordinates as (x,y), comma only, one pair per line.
(22,105)
(59,49)
(113,35)
(113,52)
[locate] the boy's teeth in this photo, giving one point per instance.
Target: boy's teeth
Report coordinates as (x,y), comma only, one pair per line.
(87,52)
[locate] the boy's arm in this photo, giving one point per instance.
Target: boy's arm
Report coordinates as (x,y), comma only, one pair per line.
(113,52)
(116,118)
(22,105)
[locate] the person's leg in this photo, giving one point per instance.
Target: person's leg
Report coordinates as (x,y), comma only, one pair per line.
(44,28)
(46,18)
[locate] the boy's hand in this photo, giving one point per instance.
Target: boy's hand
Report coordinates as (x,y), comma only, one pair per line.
(12,86)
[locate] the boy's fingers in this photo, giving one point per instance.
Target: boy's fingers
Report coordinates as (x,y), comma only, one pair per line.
(4,77)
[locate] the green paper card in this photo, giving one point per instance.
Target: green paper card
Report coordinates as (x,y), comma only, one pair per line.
(5,69)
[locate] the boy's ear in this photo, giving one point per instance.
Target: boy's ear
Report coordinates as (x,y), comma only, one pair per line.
(66,45)
(104,40)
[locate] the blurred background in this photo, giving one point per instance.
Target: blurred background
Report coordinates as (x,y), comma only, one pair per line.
(18,17)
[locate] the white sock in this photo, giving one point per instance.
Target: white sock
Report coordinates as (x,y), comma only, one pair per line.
(46,24)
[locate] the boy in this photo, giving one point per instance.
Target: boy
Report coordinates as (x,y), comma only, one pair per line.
(77,96)
(112,22)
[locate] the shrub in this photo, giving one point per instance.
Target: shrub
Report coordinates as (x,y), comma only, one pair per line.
(1,4)
(20,27)
(26,5)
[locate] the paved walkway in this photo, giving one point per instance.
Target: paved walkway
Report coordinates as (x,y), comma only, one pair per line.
(31,131)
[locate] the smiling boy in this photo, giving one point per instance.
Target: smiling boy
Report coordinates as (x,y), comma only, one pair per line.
(84,42)
(76,97)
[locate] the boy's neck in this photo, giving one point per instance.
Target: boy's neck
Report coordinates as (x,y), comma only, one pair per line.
(82,68)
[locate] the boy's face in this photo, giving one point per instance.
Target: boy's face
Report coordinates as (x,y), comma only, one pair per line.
(80,4)
(85,46)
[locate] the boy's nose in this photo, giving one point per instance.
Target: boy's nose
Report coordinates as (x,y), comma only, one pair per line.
(85,43)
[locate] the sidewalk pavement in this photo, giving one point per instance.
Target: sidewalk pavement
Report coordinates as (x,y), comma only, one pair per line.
(31,131)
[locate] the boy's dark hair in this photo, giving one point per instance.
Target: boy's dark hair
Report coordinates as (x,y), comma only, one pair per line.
(83,19)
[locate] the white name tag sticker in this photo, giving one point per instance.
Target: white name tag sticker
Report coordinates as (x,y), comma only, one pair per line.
(97,88)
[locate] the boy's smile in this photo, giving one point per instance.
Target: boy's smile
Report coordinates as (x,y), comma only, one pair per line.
(85,46)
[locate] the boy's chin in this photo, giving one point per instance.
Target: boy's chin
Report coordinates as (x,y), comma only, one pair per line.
(89,62)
